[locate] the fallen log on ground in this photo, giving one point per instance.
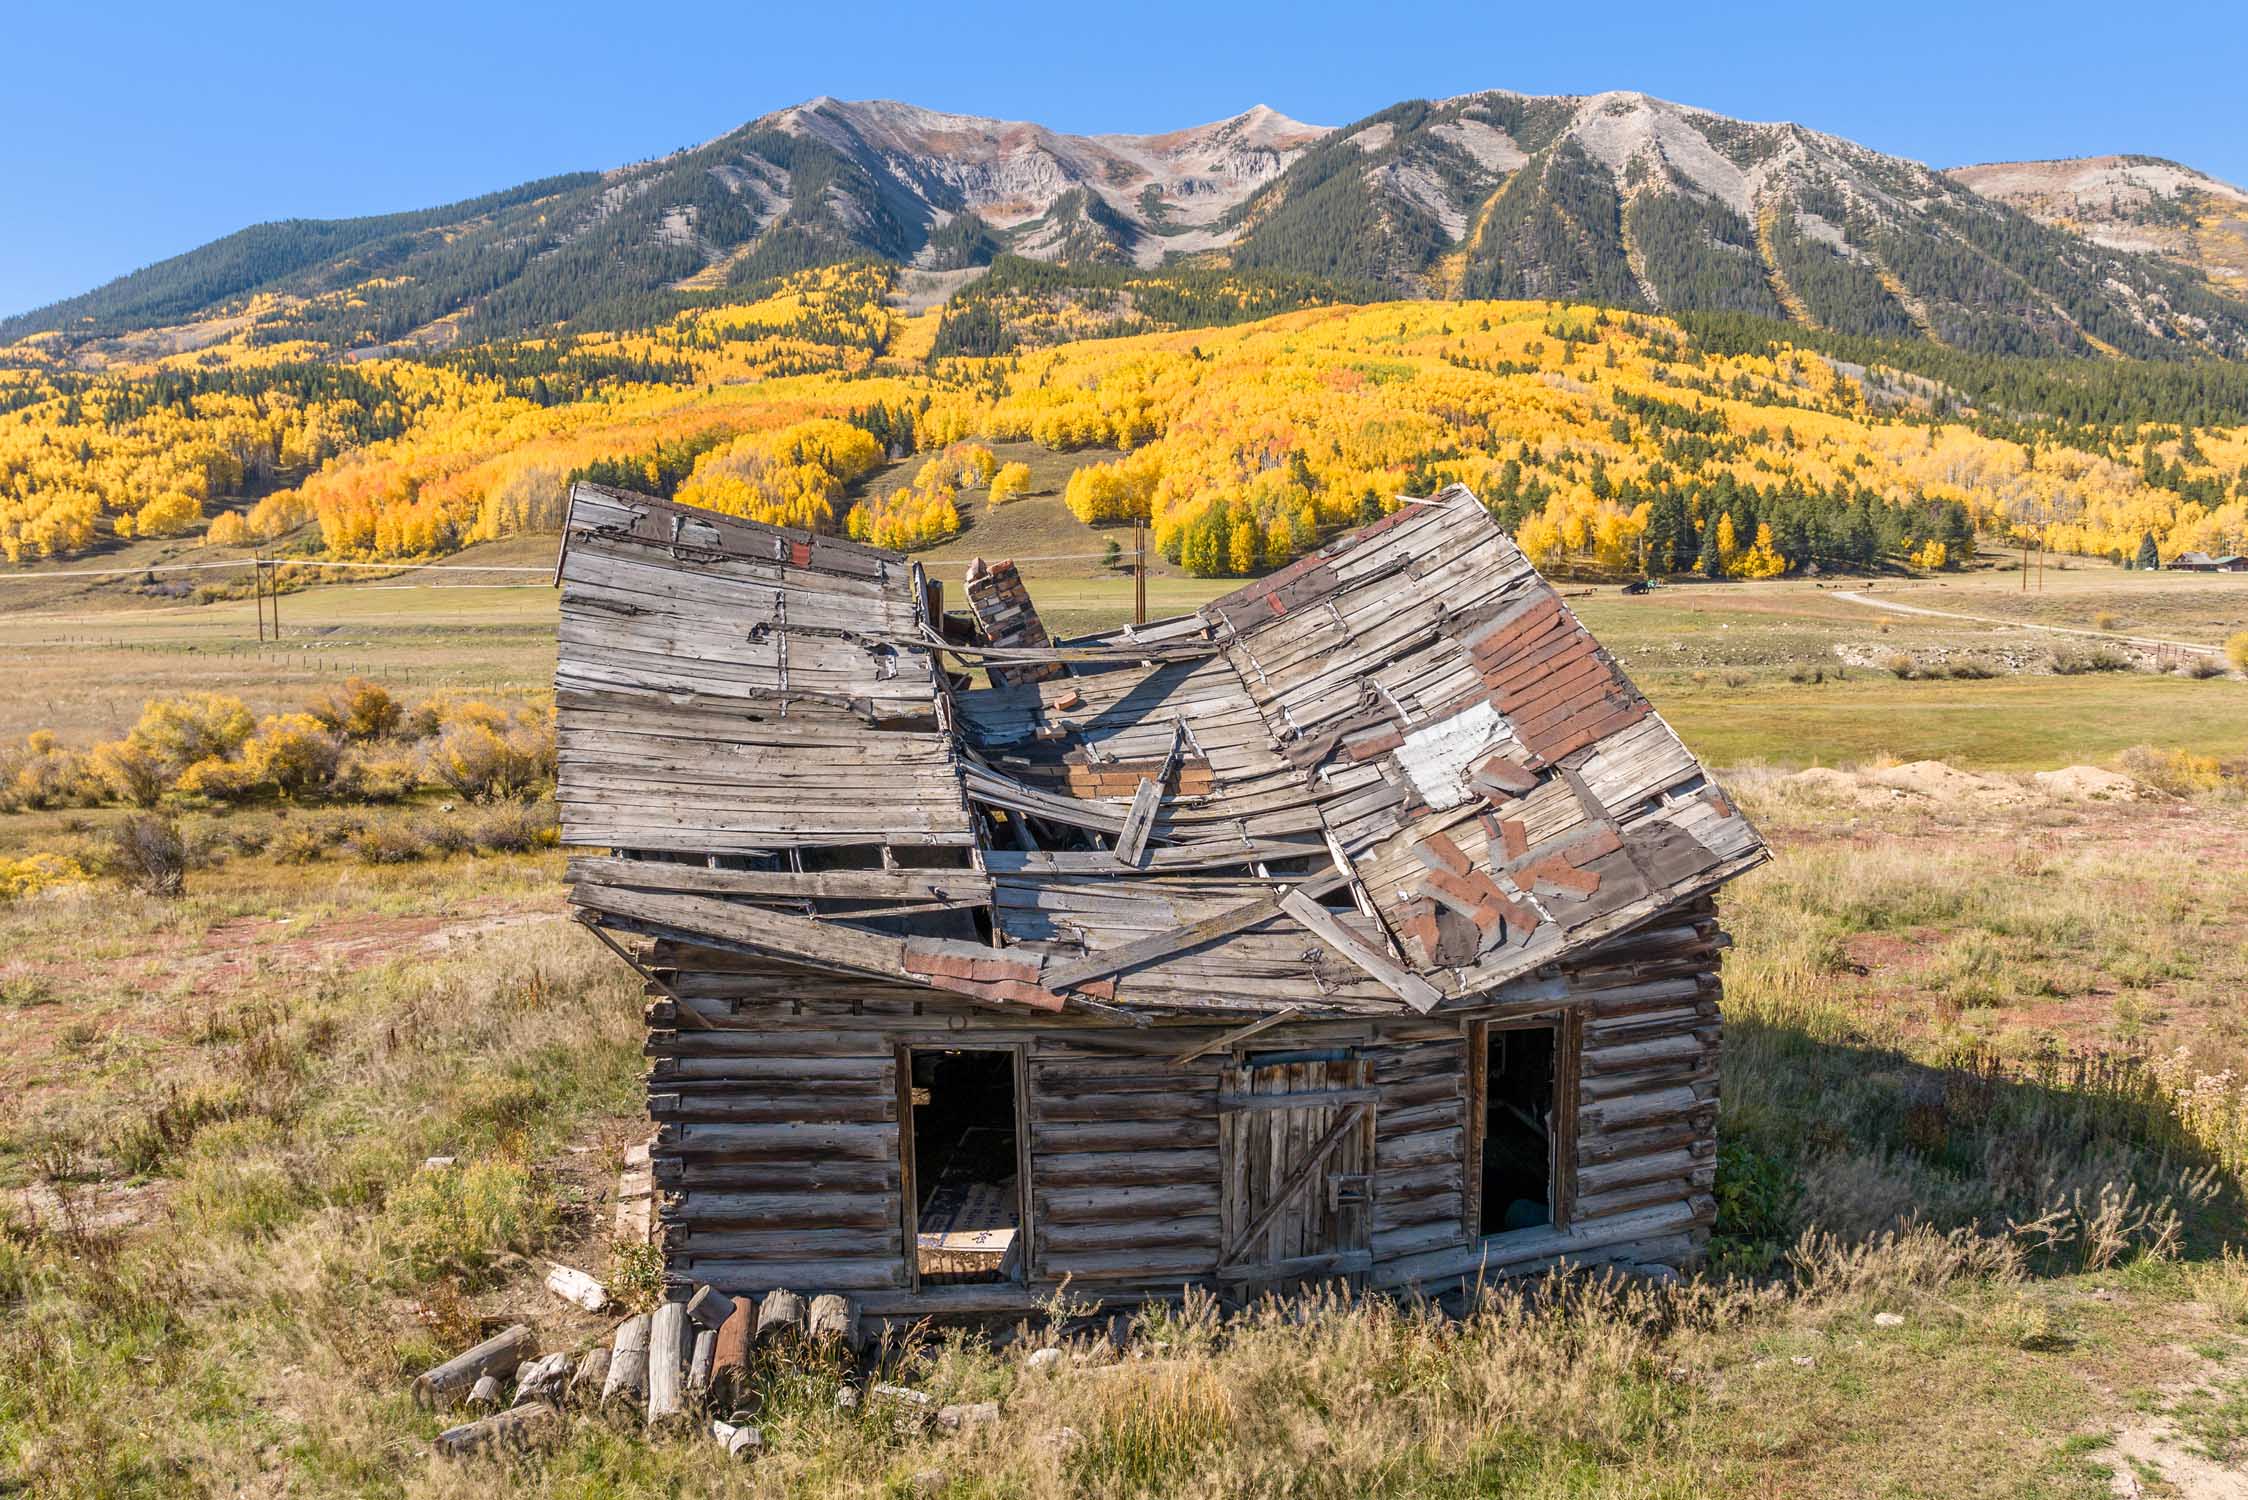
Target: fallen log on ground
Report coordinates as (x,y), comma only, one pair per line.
(497,1355)
(517,1427)
(667,1353)
(729,1362)
(627,1379)
(575,1286)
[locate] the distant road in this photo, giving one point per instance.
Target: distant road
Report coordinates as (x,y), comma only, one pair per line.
(2151,641)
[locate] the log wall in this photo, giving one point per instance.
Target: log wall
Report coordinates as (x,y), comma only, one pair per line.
(777,1097)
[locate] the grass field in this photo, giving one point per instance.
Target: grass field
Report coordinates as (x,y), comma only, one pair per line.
(1971,1253)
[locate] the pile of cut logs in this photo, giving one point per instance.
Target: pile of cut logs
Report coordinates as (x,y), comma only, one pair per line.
(685,1363)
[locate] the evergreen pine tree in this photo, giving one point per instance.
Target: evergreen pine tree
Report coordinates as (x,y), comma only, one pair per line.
(2149,556)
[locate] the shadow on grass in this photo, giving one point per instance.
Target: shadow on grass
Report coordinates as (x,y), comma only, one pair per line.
(2085,1158)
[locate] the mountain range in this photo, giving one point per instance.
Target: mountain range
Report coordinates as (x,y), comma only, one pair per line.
(1616,198)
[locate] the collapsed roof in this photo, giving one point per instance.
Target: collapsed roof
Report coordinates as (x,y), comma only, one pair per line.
(1397,775)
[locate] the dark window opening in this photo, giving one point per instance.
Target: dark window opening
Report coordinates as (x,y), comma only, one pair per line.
(1518,1129)
(967,1194)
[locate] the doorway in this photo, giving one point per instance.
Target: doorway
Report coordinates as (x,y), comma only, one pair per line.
(963,1164)
(1519,1127)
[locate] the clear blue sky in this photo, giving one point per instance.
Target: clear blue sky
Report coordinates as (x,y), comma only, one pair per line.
(132,131)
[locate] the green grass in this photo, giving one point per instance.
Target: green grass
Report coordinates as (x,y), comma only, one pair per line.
(2000,724)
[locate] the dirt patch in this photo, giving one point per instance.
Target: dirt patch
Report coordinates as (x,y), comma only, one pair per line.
(1920,781)
(81,1208)
(2091,784)
(1942,783)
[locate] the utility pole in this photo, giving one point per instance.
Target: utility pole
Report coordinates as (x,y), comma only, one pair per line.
(257,594)
(273,593)
(1139,572)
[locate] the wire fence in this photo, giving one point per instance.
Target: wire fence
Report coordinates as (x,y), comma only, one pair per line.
(270,562)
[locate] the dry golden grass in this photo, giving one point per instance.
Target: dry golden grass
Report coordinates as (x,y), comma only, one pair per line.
(232,1262)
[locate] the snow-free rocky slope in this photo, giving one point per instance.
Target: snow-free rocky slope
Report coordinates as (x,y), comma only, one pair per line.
(1618,198)
(2137,203)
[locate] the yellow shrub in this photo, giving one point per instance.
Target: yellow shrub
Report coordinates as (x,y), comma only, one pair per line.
(359,710)
(130,770)
(378,778)
(43,772)
(483,765)
(32,873)
(218,779)
(2178,772)
(292,753)
(2236,651)
(472,711)
(199,726)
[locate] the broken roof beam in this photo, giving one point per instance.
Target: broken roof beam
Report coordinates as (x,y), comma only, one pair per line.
(961,887)
(1398,980)
(992,974)
(1165,859)
(1131,844)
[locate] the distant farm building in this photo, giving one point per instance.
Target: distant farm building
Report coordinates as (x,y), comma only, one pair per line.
(2193,562)
(1358,925)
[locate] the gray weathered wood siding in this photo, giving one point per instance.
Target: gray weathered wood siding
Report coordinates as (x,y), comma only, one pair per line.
(779,1144)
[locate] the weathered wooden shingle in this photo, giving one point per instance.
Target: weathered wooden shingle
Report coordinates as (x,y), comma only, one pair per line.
(1407,735)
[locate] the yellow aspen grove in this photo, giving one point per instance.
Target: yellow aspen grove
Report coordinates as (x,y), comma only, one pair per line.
(1010,482)
(1606,441)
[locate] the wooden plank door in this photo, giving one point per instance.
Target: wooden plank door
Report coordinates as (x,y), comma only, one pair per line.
(1296,1146)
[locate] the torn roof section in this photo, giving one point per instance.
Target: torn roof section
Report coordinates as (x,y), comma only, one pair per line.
(1397,774)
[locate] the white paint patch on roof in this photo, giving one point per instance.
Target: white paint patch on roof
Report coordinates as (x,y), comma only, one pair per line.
(1436,757)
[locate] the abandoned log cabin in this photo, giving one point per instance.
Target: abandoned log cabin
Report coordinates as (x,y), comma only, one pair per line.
(1358,925)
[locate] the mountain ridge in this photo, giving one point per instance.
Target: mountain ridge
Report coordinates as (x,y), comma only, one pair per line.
(2148,205)
(1616,197)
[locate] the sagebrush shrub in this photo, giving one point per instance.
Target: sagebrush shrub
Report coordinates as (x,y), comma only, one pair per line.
(394,841)
(518,828)
(148,854)
(485,764)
